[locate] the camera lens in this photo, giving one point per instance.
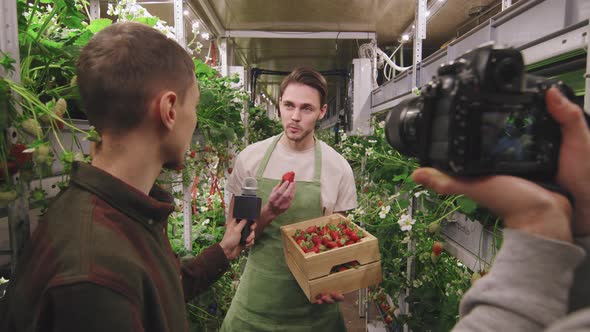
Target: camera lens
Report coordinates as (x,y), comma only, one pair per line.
(507,74)
(401,126)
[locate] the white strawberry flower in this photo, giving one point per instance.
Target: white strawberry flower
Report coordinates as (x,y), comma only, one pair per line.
(384,211)
(406,222)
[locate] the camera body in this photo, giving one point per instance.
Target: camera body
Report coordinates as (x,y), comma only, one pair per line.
(481,115)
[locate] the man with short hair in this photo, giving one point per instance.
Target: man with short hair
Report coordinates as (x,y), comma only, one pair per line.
(268,297)
(100,259)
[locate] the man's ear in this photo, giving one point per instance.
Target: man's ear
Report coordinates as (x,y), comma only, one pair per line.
(166,107)
(323,111)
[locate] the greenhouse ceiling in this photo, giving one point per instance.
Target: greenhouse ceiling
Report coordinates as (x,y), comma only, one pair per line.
(388,19)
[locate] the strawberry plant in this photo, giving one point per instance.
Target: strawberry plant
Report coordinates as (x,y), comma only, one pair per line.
(407,221)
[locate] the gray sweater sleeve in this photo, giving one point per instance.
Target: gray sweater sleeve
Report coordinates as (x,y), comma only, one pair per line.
(580,291)
(527,288)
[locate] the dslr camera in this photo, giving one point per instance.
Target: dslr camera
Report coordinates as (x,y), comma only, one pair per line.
(480,115)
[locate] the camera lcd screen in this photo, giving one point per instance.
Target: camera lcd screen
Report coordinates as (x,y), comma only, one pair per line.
(507,135)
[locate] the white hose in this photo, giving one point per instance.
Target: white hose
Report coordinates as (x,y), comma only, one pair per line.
(389,62)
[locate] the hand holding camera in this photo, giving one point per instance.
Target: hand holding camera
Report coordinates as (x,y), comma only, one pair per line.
(484,116)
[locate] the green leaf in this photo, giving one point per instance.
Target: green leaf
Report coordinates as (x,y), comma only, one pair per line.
(151,21)
(466,205)
(7,62)
(99,24)
(83,39)
(400,177)
(51,44)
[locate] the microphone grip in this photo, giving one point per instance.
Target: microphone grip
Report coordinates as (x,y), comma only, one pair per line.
(246,230)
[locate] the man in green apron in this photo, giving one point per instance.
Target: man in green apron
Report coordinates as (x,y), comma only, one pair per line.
(268,297)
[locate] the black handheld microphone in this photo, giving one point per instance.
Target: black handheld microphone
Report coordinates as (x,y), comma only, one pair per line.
(247,206)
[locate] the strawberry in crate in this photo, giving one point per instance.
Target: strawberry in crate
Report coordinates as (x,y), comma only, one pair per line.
(323,238)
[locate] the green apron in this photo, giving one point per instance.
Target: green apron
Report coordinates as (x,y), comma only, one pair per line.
(268,297)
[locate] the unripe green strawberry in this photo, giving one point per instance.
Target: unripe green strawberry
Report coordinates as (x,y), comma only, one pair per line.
(38,195)
(7,197)
(60,107)
(41,154)
(32,127)
(434,227)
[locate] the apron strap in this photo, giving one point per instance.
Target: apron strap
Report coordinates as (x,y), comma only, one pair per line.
(318,159)
(266,157)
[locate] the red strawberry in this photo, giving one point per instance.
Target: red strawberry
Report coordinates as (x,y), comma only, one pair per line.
(335,236)
(208,148)
(316,249)
(437,247)
(388,320)
(312,230)
(384,306)
(317,240)
(331,244)
(229,170)
(289,176)
(179,167)
(193,153)
(16,151)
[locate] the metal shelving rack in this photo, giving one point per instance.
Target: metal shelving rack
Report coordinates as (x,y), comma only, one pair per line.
(541,29)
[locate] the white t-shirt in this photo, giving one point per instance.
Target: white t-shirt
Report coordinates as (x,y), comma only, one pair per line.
(338,189)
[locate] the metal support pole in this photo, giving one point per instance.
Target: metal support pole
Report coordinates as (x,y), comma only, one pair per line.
(187,216)
(506,4)
(374,44)
(223,56)
(9,36)
(587,95)
(94,9)
(418,36)
(18,210)
(410,268)
(179,23)
(186,192)
(338,97)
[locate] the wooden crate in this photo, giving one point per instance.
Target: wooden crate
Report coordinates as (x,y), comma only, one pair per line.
(312,271)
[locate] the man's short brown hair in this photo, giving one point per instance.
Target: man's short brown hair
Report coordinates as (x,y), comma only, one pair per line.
(309,77)
(125,65)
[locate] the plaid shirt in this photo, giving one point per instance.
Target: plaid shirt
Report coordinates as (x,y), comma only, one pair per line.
(100,260)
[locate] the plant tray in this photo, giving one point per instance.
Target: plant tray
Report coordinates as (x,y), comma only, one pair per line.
(313,270)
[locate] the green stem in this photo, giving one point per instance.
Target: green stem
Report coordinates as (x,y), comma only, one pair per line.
(4,154)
